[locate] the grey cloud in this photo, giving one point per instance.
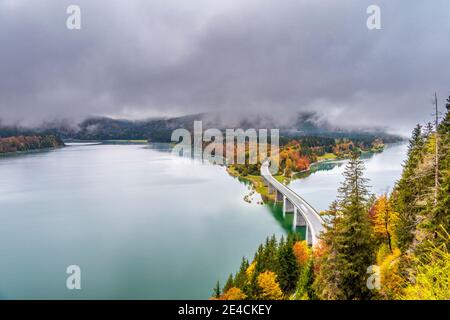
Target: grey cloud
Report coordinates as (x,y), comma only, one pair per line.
(153,58)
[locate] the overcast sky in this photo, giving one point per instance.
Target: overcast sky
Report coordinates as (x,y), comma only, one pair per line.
(144,58)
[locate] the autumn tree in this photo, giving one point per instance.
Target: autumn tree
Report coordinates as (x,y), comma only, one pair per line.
(301,252)
(432,280)
(391,279)
(233,293)
(288,170)
(384,220)
(270,289)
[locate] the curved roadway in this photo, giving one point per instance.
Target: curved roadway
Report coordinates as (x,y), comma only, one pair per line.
(313,219)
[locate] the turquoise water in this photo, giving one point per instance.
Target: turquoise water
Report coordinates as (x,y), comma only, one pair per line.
(140,223)
(382,170)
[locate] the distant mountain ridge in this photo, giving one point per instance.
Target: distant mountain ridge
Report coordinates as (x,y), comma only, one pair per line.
(160,129)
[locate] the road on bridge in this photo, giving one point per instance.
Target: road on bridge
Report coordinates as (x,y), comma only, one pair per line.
(313,219)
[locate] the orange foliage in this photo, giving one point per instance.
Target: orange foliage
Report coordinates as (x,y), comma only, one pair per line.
(301,252)
(302,163)
(319,250)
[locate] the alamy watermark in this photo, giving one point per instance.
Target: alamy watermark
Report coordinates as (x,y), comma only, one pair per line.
(73,281)
(374,20)
(374,279)
(73,21)
(240,146)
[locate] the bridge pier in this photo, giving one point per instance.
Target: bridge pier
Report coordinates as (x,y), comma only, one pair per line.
(279,196)
(270,188)
(308,236)
(304,214)
(300,221)
(288,207)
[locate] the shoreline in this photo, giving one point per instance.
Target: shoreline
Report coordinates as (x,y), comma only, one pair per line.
(31,151)
(259,187)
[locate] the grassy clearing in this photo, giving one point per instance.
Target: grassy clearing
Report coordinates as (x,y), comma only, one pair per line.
(256,181)
(327,156)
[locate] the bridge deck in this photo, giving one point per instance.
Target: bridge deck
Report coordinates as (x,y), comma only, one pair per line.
(313,219)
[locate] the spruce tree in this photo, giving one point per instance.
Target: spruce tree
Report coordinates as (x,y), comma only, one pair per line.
(349,240)
(241,277)
(288,271)
(217,291)
(229,284)
(408,190)
(441,214)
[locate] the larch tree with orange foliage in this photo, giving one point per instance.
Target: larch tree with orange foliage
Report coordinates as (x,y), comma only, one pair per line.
(301,252)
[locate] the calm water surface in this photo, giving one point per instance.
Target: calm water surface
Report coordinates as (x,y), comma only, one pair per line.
(140,223)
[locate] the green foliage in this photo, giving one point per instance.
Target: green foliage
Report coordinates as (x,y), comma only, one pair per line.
(304,289)
(349,241)
(431,279)
(408,190)
(216,290)
(229,284)
(408,233)
(288,270)
(272,257)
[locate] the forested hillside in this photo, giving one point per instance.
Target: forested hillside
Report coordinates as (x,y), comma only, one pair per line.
(394,246)
(26,143)
(160,129)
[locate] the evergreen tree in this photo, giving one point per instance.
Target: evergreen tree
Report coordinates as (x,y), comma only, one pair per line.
(407,192)
(441,214)
(304,289)
(349,240)
(288,271)
(216,290)
(229,284)
(241,277)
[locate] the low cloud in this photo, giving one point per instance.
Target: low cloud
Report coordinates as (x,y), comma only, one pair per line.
(269,58)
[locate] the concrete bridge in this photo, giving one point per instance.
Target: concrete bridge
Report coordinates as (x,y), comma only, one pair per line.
(304,214)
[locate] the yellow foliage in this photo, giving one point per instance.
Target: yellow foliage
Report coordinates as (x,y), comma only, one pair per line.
(431,144)
(384,218)
(233,294)
(432,280)
(288,170)
(270,290)
(250,270)
(391,280)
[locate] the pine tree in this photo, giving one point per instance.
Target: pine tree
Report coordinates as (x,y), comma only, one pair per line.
(229,284)
(407,192)
(433,211)
(441,216)
(240,279)
(304,290)
(349,240)
(216,290)
(288,271)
